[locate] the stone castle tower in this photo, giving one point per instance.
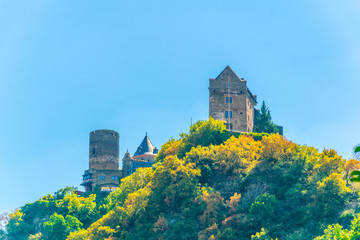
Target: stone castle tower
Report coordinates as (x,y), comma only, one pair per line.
(104,170)
(231,101)
(104,150)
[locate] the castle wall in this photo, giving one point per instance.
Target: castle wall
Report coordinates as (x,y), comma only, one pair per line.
(146,158)
(104,150)
(108,179)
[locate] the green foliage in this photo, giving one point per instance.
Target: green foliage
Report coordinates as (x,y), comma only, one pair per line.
(2,233)
(263,121)
(355,173)
(60,194)
(336,231)
(357,149)
(331,193)
(79,207)
(203,133)
(255,135)
(16,227)
(64,208)
(58,227)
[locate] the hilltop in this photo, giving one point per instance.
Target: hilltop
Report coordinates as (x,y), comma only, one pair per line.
(209,184)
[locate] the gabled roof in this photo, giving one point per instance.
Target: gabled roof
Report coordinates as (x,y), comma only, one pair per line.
(146,147)
(228,72)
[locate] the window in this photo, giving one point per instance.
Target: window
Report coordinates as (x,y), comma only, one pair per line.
(86,177)
(112,177)
(101,177)
(227,114)
(227,126)
(228,99)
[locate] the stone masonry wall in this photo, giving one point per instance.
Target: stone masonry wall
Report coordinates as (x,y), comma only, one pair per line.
(104,150)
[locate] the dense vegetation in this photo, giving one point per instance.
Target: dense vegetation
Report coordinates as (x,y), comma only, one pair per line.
(210,184)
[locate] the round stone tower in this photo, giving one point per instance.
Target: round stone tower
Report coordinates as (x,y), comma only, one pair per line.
(104,150)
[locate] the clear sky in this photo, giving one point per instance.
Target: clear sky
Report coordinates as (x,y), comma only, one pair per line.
(70,67)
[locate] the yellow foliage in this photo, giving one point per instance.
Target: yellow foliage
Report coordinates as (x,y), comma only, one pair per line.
(213,202)
(350,166)
(82,234)
(137,201)
(333,183)
(130,184)
(233,203)
(237,155)
(327,162)
(277,147)
(170,148)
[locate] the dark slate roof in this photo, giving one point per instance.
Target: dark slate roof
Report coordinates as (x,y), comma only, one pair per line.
(146,147)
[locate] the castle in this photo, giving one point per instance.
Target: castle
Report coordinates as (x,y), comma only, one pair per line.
(230,101)
(104,168)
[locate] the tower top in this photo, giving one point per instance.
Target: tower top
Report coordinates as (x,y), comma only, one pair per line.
(146,147)
(228,73)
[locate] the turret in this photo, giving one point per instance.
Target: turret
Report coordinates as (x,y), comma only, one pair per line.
(126,164)
(146,151)
(104,150)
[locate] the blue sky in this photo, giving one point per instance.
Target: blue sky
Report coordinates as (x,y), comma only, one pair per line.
(70,67)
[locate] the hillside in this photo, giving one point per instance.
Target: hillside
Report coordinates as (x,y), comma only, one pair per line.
(209,184)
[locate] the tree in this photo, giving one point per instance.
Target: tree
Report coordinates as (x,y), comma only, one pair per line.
(350,166)
(263,121)
(356,173)
(357,149)
(58,227)
(16,228)
(203,133)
